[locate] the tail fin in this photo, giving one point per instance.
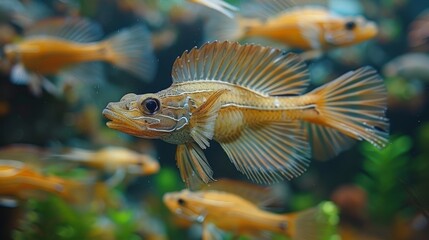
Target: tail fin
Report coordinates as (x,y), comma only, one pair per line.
(131,49)
(315,223)
(349,108)
(223,28)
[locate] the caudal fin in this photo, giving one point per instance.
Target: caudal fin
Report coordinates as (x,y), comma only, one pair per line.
(223,28)
(349,108)
(131,49)
(316,223)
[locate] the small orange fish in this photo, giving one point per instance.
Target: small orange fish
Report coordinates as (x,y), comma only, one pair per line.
(227,211)
(113,158)
(65,46)
(248,98)
(20,181)
(303,27)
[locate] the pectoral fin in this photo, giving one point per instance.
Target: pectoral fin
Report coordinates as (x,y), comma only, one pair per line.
(204,118)
(211,232)
(192,161)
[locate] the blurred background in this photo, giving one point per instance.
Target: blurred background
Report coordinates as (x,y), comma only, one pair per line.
(381,194)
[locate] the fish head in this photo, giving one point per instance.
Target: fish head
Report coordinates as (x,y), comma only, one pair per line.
(149,116)
(349,31)
(186,204)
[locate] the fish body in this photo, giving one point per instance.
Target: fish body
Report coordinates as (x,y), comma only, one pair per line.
(313,28)
(19,180)
(113,158)
(47,56)
(233,213)
(305,27)
(249,99)
(70,48)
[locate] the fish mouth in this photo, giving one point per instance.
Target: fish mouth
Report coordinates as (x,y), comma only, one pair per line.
(119,120)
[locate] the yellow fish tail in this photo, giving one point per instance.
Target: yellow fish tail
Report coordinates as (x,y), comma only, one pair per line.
(349,108)
(131,49)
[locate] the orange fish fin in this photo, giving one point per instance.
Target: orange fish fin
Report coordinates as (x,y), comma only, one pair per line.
(192,161)
(271,152)
(263,69)
(203,119)
(218,5)
(266,9)
(131,49)
(355,105)
(259,195)
(326,142)
(315,223)
(71,28)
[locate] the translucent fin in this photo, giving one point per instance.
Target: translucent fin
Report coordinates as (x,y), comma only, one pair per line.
(218,5)
(131,49)
(269,153)
(73,29)
(88,72)
(220,28)
(211,232)
(326,142)
(203,120)
(261,196)
(266,9)
(313,224)
(355,105)
(265,70)
(192,161)
(19,75)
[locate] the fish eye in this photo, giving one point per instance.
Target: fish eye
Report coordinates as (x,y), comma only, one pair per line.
(350,25)
(150,105)
(181,202)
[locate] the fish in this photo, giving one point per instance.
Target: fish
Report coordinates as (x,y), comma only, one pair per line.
(111,159)
(311,28)
(411,66)
(68,48)
(218,5)
(418,35)
(249,99)
(19,180)
(218,210)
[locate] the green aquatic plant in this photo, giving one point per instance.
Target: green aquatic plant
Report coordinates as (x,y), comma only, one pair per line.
(54,219)
(383,171)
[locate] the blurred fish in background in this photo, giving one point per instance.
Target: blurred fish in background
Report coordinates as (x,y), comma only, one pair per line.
(418,35)
(299,26)
(64,46)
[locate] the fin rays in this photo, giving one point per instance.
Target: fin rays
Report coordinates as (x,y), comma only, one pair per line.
(262,69)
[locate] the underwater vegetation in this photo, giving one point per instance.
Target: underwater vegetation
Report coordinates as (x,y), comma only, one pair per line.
(278,119)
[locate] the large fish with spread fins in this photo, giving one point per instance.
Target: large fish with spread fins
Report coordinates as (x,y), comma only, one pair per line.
(250,100)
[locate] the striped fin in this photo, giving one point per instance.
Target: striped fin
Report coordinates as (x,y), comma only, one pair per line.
(263,69)
(218,5)
(270,152)
(73,29)
(355,105)
(192,161)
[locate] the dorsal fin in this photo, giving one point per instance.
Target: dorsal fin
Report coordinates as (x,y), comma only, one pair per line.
(73,29)
(263,69)
(272,8)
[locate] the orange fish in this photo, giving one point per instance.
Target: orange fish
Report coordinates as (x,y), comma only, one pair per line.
(66,46)
(114,158)
(227,211)
(20,181)
(248,98)
(304,27)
